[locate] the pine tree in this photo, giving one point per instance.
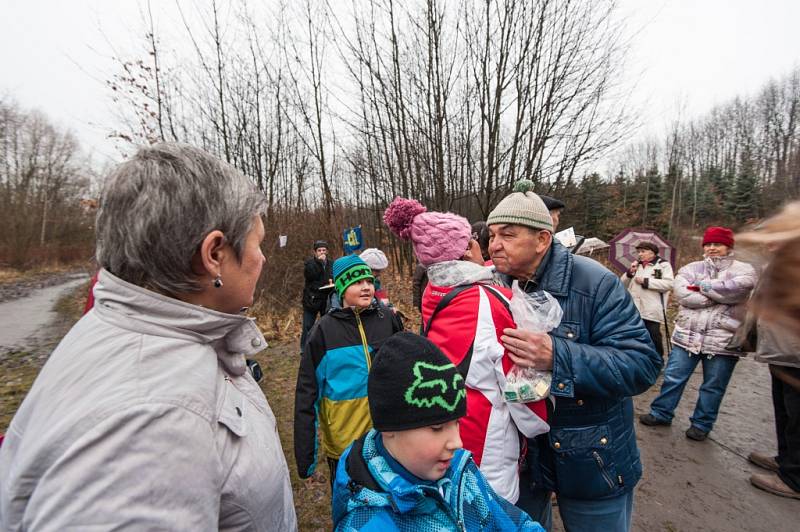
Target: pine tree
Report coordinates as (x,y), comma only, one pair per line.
(595,205)
(654,200)
(708,203)
(744,200)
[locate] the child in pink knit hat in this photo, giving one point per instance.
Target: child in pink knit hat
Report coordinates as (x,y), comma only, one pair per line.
(437,236)
(462,312)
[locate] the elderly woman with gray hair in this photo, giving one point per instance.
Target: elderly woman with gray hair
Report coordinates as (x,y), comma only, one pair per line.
(145,416)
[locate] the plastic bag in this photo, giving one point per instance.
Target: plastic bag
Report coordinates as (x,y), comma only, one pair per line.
(537,312)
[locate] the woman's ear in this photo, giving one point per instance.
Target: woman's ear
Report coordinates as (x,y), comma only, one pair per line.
(210,256)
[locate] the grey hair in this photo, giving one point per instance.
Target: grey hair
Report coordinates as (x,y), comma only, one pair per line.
(157,207)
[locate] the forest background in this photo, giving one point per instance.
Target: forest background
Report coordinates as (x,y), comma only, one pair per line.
(333,109)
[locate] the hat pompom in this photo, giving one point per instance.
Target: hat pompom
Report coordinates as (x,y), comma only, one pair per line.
(524,185)
(399,216)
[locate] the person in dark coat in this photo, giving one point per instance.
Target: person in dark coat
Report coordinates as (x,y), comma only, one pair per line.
(600,355)
(419,282)
(318,272)
(556,207)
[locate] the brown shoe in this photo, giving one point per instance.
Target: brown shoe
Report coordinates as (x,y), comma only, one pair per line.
(763,460)
(774,485)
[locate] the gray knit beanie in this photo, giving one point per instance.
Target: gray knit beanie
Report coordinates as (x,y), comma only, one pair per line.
(522,207)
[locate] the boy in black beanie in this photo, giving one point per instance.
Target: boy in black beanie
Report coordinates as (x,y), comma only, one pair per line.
(409,471)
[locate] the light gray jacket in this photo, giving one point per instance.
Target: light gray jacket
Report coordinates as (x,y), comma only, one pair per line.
(146,418)
(777,345)
(652,296)
(708,319)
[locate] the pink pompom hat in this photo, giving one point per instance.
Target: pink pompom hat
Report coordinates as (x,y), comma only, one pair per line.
(437,236)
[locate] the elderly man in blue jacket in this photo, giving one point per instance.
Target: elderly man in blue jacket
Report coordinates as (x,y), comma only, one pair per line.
(600,355)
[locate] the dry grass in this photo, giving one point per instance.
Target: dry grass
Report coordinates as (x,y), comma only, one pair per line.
(19,370)
(13,275)
(312,497)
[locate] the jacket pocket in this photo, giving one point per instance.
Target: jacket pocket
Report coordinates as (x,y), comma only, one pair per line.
(725,321)
(232,413)
(584,462)
(569,330)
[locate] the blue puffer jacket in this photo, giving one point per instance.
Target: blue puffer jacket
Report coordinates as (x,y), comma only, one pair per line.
(368,495)
(602,355)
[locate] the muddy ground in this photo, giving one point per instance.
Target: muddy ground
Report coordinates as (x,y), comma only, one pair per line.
(687,485)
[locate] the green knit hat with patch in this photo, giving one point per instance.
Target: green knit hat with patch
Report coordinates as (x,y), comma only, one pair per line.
(348,270)
(522,207)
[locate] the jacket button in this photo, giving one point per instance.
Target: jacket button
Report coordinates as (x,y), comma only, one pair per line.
(561,385)
(238,411)
(255,342)
(570,334)
(557,445)
(603,440)
(580,402)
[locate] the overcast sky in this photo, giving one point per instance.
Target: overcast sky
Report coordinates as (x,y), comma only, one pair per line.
(686,55)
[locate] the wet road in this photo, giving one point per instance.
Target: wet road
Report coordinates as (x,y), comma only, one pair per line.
(23,321)
(693,486)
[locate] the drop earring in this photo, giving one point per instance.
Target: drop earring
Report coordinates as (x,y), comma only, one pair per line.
(218,282)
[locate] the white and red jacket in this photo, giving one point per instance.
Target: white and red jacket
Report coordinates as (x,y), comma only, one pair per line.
(468,331)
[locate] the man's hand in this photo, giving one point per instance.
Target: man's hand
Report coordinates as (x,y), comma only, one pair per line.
(639,280)
(529,349)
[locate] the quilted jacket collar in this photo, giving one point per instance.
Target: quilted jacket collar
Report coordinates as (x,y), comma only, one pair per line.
(137,309)
(554,274)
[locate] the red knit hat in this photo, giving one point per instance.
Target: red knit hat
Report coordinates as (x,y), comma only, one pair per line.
(718,235)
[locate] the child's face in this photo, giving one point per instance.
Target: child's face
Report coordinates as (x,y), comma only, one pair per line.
(359,294)
(426,452)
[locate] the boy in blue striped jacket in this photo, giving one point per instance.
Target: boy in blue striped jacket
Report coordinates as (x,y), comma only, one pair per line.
(409,473)
(331,393)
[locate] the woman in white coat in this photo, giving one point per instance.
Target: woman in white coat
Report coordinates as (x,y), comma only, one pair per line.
(145,416)
(649,281)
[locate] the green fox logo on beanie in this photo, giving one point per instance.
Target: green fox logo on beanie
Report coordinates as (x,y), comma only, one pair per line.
(436,386)
(413,384)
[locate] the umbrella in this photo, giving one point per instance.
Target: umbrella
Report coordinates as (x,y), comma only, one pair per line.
(590,245)
(623,247)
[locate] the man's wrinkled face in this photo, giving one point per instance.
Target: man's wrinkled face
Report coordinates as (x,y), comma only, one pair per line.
(516,249)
